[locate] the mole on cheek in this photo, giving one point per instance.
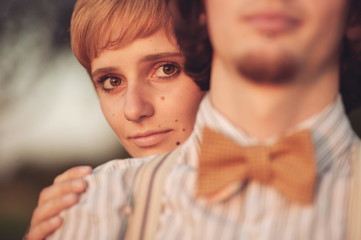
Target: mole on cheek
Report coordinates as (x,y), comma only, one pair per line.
(159,126)
(183,129)
(176,120)
(177,143)
(162,97)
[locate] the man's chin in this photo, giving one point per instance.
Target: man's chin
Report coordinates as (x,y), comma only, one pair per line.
(260,69)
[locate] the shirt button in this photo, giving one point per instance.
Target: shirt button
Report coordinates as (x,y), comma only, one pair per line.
(126,209)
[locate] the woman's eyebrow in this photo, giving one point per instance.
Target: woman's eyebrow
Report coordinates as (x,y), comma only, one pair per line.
(102,71)
(152,57)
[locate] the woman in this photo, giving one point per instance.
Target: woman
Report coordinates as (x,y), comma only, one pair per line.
(129,50)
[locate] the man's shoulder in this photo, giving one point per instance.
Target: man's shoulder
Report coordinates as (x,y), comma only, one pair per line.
(133,164)
(123,172)
(112,171)
(120,165)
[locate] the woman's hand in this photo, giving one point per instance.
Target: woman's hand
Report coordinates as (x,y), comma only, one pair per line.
(53,199)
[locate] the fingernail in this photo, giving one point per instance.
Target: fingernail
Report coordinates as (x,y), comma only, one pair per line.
(78,183)
(69,197)
(85,169)
(55,220)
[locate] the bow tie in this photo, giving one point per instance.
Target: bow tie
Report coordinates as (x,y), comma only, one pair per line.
(288,165)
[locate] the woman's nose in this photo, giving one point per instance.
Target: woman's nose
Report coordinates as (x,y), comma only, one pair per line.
(138,103)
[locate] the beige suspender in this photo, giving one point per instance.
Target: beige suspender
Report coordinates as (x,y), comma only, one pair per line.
(148,187)
(354,213)
(149,184)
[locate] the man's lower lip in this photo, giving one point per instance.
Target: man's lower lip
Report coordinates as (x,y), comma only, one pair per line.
(150,140)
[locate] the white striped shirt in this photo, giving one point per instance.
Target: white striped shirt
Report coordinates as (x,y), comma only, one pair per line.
(256,211)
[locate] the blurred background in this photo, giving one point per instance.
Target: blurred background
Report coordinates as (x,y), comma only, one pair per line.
(50,118)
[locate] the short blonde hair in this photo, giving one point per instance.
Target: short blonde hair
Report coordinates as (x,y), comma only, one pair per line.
(109,24)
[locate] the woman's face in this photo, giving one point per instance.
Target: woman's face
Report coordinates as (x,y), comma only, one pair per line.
(145,96)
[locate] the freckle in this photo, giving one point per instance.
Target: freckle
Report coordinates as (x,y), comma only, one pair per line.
(162,98)
(176,120)
(184,129)
(177,143)
(159,126)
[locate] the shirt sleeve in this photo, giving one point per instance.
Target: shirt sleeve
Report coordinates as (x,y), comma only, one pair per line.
(102,212)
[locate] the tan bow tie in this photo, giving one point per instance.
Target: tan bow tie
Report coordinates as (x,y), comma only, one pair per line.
(288,165)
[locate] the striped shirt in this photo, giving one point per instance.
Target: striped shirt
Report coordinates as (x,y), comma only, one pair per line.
(256,211)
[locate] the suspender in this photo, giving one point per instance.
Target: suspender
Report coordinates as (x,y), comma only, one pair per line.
(354,213)
(150,181)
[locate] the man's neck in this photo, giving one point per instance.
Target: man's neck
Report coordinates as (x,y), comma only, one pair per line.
(265,111)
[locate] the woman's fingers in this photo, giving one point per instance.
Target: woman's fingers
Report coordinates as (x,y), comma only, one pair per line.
(44,229)
(45,218)
(68,182)
(73,173)
(54,199)
(52,208)
(61,189)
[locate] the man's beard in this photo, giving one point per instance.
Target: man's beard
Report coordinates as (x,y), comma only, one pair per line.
(263,69)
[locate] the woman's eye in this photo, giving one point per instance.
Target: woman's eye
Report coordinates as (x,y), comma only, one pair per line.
(167,70)
(109,82)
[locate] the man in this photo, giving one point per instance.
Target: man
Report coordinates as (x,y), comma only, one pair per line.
(275,70)
(270,154)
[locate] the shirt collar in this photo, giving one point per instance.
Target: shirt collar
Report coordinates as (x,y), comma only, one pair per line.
(330,129)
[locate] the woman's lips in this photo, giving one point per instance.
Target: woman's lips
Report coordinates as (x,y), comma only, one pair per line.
(149,139)
(272,22)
